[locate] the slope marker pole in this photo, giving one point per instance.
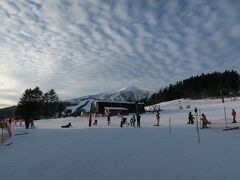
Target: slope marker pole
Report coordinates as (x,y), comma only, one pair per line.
(169,126)
(225,117)
(2,135)
(198,135)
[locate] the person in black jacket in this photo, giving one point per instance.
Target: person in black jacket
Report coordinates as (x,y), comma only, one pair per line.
(90,120)
(138,119)
(190,118)
(67,126)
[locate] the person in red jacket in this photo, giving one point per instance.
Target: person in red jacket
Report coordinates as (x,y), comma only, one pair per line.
(234,116)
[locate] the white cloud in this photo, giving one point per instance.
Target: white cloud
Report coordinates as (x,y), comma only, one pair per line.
(83,47)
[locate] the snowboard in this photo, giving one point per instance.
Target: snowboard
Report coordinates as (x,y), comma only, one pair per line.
(18,134)
(226,129)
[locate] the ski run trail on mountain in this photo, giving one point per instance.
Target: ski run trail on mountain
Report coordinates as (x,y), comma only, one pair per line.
(103,152)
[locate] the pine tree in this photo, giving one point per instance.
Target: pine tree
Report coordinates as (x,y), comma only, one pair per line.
(50,104)
(30,105)
(215,84)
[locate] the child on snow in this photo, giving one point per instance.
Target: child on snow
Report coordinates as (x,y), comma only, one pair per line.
(204,121)
(158,119)
(234,116)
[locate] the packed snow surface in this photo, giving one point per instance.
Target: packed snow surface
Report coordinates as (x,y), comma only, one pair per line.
(103,152)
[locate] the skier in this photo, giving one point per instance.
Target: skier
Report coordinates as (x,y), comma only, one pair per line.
(190,118)
(234,116)
(138,119)
(204,121)
(158,119)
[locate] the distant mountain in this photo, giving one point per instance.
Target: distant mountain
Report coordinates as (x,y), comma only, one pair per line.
(7,112)
(130,94)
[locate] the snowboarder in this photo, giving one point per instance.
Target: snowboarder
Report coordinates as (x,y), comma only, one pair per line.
(67,126)
(138,119)
(204,121)
(190,118)
(234,116)
(158,119)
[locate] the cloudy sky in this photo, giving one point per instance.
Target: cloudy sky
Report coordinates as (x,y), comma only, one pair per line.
(81,47)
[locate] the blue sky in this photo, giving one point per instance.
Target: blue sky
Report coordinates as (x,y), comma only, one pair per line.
(81,47)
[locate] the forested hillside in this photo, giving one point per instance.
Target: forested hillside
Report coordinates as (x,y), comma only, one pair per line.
(201,86)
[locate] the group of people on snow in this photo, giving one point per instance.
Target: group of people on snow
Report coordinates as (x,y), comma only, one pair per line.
(204,118)
(133,120)
(136,118)
(90,119)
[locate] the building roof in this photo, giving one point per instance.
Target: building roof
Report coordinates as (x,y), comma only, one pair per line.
(116,108)
(118,102)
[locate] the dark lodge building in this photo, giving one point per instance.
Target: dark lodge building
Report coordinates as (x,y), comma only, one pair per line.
(113,111)
(132,107)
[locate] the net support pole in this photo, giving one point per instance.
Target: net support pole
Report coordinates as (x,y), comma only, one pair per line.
(2,135)
(225,117)
(170,127)
(198,134)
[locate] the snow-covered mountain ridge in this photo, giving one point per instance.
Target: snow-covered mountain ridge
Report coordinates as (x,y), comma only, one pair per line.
(129,94)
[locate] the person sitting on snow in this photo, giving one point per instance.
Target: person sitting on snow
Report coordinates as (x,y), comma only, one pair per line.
(67,126)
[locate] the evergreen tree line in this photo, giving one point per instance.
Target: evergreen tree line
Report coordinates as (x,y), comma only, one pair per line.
(214,84)
(35,104)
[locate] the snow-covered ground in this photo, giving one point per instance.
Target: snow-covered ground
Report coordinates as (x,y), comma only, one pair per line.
(114,153)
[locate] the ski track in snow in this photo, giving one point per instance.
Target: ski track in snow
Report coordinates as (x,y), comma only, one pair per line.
(114,153)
